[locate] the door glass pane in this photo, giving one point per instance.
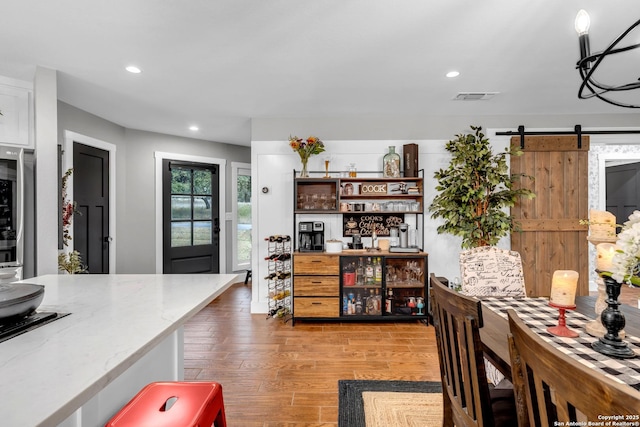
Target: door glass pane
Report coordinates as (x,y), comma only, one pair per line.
(201,232)
(180,207)
(180,181)
(202,207)
(180,234)
(201,182)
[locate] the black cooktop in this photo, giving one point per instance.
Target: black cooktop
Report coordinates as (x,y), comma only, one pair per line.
(14,326)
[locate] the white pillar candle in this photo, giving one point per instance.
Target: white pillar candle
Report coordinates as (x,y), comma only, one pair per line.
(605,256)
(602,225)
(563,287)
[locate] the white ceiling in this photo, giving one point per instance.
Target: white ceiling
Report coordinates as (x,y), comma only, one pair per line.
(220,63)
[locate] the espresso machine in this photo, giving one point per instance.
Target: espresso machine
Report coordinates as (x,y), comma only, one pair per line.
(311,236)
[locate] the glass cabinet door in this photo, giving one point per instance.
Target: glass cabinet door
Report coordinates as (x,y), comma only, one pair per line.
(361,283)
(405,286)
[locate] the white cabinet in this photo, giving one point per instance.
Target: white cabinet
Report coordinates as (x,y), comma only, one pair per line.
(16,106)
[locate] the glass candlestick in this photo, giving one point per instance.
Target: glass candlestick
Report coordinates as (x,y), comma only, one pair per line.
(326,167)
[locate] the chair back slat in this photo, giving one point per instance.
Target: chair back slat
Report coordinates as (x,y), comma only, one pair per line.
(457,319)
(552,386)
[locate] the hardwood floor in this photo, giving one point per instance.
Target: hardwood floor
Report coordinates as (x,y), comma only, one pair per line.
(276,375)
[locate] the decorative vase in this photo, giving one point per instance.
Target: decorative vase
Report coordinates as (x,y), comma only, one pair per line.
(391,164)
(304,173)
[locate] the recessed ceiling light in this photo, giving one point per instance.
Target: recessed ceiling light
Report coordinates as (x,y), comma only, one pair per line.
(194,128)
(133,69)
(452,74)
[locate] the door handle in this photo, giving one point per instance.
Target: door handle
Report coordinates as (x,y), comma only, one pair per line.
(108,239)
(216,225)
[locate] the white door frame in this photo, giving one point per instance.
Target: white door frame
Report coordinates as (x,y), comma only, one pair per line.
(67,163)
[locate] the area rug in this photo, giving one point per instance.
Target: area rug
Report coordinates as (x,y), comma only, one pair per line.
(365,403)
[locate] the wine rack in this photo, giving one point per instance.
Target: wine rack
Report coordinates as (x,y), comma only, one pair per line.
(279,276)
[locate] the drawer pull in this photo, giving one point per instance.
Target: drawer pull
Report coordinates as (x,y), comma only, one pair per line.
(316,303)
(316,282)
(316,260)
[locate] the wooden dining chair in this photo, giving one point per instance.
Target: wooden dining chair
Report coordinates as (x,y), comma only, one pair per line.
(469,401)
(555,388)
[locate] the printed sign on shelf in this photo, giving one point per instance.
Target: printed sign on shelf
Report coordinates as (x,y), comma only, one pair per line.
(364,224)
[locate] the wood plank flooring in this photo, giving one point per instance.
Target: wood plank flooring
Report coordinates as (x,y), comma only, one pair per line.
(276,375)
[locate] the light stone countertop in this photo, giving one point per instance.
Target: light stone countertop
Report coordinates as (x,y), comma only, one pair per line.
(48,373)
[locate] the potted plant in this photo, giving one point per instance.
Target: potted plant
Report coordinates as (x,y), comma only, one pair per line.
(475,189)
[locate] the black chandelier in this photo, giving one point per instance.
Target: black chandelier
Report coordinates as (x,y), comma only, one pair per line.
(589,62)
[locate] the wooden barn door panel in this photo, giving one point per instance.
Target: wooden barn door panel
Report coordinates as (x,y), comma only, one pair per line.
(551,237)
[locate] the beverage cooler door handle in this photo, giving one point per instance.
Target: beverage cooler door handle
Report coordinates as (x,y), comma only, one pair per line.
(108,239)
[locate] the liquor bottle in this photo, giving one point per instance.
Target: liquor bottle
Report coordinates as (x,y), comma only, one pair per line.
(378,302)
(358,305)
(368,272)
(360,273)
(377,271)
(371,303)
(389,301)
(374,237)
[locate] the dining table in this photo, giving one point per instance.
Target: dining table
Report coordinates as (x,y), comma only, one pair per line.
(539,315)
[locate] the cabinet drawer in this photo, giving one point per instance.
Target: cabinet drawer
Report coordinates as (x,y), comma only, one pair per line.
(316,264)
(312,286)
(316,307)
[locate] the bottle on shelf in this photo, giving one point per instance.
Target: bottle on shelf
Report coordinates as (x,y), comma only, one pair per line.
(388,308)
(278,238)
(358,304)
(374,237)
(377,271)
(360,273)
(368,272)
(278,257)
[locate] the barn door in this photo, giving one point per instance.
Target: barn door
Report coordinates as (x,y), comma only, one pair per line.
(552,237)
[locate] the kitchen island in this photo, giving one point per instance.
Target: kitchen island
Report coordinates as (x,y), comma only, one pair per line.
(123,331)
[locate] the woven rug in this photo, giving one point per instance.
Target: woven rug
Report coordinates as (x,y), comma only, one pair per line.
(365,403)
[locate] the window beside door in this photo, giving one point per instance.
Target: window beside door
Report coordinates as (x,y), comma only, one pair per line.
(241,216)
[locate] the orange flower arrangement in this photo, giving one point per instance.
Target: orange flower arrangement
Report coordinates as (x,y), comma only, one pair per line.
(305,149)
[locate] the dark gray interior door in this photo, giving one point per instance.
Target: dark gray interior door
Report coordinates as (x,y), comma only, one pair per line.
(91,193)
(623,190)
(191,217)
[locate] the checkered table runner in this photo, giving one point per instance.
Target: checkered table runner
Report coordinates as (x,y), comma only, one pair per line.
(538,315)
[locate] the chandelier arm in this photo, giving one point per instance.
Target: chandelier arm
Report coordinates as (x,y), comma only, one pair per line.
(586,83)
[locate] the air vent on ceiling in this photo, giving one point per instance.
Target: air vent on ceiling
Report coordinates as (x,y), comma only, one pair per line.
(474,96)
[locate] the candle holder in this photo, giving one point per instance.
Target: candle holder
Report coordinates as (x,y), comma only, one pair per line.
(561,329)
(595,328)
(613,320)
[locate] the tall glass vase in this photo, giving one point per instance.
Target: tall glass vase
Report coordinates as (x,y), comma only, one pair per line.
(304,173)
(391,164)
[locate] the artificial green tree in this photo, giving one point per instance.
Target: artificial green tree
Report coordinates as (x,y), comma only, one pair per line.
(475,190)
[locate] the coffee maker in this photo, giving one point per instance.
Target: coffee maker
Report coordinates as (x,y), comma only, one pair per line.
(311,236)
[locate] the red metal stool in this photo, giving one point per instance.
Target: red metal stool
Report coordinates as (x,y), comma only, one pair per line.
(173,404)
